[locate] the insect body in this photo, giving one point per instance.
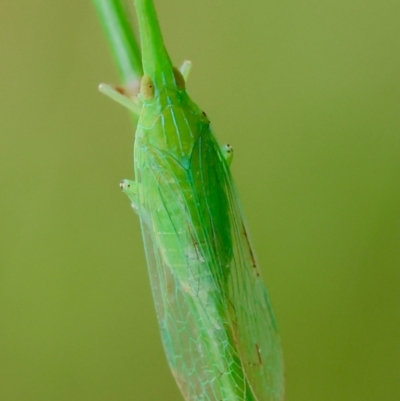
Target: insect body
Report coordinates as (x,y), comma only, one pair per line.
(216,323)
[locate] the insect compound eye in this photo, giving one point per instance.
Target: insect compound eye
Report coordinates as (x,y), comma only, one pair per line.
(179,80)
(147,87)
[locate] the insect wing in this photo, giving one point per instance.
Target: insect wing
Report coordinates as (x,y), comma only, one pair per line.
(186,294)
(249,315)
(253,321)
(214,313)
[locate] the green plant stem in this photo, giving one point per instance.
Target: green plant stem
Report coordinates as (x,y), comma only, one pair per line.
(124,46)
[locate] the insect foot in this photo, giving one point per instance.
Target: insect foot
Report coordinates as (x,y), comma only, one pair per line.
(227,152)
(129,188)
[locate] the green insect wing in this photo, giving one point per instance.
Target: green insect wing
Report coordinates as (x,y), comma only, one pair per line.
(216,322)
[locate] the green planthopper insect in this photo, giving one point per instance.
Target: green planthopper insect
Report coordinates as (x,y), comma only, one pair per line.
(216,322)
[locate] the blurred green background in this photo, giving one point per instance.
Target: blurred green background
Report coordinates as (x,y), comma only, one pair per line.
(307,92)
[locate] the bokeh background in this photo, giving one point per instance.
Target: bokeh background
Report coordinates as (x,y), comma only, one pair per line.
(307,92)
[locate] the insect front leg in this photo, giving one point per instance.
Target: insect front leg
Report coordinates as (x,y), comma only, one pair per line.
(129,188)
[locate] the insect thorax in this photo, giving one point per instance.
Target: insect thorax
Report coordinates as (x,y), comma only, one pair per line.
(171,122)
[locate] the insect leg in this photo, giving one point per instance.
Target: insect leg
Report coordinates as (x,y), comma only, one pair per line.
(129,188)
(227,152)
(120,98)
(185,69)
